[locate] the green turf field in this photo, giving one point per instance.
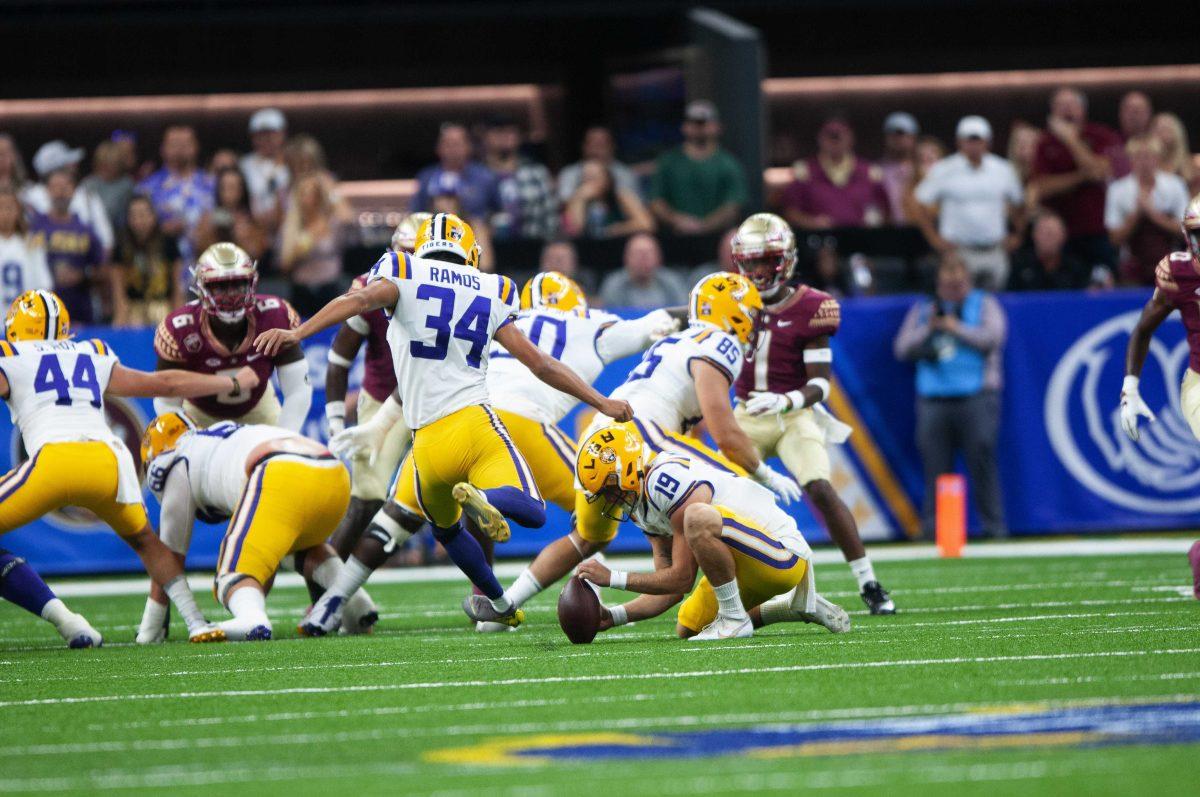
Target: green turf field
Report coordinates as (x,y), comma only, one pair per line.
(427,706)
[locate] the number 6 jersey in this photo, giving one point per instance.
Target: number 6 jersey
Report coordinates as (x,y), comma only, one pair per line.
(439,331)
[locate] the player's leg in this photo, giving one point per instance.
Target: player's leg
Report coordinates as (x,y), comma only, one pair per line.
(498,483)
(703,526)
(1189,400)
(802,450)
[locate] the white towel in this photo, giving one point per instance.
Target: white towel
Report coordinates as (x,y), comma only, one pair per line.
(836,432)
(129,488)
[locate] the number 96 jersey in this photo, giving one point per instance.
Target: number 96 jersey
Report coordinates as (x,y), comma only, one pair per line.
(661,388)
(439,331)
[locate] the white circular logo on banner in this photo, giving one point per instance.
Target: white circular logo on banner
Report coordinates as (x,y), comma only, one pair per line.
(1160,473)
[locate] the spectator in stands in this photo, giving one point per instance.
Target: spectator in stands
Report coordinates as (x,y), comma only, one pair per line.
(834,188)
(561,256)
(1070,171)
(147,268)
(180,192)
(266,171)
(472,182)
(73,250)
(1045,264)
(1176,156)
(1134,115)
(698,188)
(305,156)
(109,182)
(929,150)
(231,219)
(12,166)
(56,156)
(527,202)
(601,208)
(131,164)
(957,341)
(599,146)
(900,131)
(1143,209)
(1023,141)
(23,262)
(643,282)
(975,195)
(311,246)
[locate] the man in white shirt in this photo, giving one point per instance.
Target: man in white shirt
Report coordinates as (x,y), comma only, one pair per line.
(267,176)
(85,205)
(976,198)
(1142,211)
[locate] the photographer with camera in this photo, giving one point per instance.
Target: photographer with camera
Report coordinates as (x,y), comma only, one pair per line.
(957,340)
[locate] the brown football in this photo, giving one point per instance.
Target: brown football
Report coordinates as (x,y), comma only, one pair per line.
(579,611)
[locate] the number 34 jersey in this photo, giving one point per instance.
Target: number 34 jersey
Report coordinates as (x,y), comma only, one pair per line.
(439,331)
(661,388)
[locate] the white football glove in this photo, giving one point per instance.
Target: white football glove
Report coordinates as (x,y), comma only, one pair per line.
(764,403)
(662,324)
(358,442)
(783,486)
(153,628)
(1132,408)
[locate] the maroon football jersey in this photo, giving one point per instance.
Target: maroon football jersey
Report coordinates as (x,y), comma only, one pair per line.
(184,337)
(1178,281)
(379,372)
(778,362)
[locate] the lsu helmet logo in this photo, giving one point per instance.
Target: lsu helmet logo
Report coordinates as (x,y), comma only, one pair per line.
(1158,474)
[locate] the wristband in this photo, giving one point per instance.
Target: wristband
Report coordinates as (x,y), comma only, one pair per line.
(237,387)
(617,579)
(1130,385)
(337,359)
(335,409)
(619,614)
(822,385)
(797,399)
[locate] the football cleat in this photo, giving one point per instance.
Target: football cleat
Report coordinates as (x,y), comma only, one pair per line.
(485,516)
(877,598)
(207,633)
(324,617)
(492,628)
(726,628)
(359,614)
(78,633)
(480,609)
(828,614)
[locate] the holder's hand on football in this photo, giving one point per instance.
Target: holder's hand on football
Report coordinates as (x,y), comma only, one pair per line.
(274,341)
(594,572)
(618,410)
(783,486)
(1132,408)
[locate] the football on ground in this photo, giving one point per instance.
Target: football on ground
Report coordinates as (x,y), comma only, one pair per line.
(579,611)
(1028,675)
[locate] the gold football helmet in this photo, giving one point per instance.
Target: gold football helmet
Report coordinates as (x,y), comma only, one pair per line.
(729,302)
(611,467)
(555,291)
(37,315)
(445,232)
(163,434)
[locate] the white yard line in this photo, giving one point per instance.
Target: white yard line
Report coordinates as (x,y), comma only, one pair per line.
(599,678)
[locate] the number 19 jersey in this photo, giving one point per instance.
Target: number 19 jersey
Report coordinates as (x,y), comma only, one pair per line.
(439,331)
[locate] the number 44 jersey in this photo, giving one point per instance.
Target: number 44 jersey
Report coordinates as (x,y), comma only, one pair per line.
(439,331)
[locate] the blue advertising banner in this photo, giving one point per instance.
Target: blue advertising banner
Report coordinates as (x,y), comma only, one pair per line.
(1065,464)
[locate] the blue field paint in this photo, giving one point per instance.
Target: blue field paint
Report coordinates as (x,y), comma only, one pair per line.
(1092,726)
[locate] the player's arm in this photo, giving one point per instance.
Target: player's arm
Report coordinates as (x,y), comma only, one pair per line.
(818,365)
(174,383)
(175,530)
(674,569)
(557,375)
(643,607)
(342,352)
(166,349)
(377,294)
(1133,407)
(623,338)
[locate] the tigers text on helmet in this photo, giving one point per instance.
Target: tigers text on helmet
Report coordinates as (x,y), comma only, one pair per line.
(225,279)
(611,467)
(163,434)
(729,302)
(554,291)
(764,249)
(445,232)
(404,239)
(1191,227)
(37,315)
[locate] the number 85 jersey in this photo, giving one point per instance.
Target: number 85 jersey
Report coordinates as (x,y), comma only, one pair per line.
(439,332)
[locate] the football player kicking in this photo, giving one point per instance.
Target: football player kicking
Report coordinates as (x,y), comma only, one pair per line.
(680,379)
(698,517)
(778,400)
(251,476)
(1176,285)
(55,389)
(444,313)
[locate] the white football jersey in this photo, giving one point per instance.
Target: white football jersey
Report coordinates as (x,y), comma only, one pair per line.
(215,462)
(568,337)
(22,268)
(661,388)
(671,479)
(440,330)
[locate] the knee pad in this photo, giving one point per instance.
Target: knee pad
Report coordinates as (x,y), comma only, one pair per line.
(380,535)
(224,583)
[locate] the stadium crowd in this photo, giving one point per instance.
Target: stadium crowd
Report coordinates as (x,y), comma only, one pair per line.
(1074,203)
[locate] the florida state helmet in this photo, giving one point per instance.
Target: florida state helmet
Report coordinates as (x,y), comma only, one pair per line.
(225,279)
(764,249)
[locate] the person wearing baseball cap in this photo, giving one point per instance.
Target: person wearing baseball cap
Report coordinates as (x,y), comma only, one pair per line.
(56,156)
(900,130)
(698,188)
(267,176)
(978,202)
